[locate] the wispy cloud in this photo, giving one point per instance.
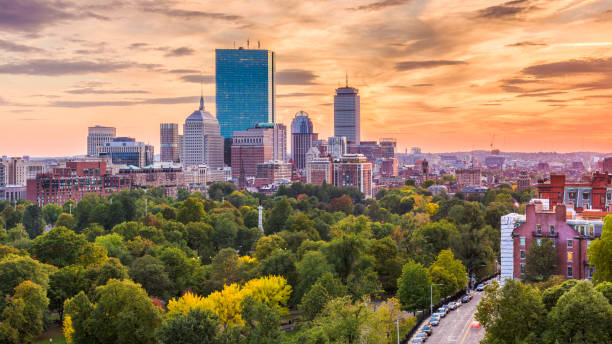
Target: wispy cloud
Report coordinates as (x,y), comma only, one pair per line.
(378,5)
(295,77)
(49,67)
(17,48)
(410,65)
(182,51)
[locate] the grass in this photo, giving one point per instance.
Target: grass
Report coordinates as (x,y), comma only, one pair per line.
(54,332)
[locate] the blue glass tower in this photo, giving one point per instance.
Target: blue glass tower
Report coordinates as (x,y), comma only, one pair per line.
(245,88)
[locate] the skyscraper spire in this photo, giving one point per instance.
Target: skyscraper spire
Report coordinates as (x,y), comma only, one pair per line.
(201,93)
(347,79)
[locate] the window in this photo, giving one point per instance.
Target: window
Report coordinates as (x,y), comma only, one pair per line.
(539,228)
(609,195)
(570,256)
(591,230)
(522,254)
(539,241)
(522,268)
(570,271)
(552,229)
(522,241)
(585,195)
(570,243)
(572,195)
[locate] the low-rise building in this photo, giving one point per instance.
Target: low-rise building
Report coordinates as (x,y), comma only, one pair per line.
(270,172)
(354,170)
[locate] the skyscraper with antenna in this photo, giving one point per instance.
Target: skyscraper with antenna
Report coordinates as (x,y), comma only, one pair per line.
(347,113)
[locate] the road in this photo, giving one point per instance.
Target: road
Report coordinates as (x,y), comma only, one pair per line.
(455,326)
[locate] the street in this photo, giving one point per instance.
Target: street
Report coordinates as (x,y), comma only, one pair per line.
(455,326)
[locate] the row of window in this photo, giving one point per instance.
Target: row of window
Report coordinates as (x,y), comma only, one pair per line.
(570,256)
(570,270)
(570,242)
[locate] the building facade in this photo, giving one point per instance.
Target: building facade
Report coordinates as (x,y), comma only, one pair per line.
(126,151)
(389,167)
(2,180)
(387,147)
(593,192)
(98,136)
(336,146)
(245,88)
(169,177)
(279,139)
(468,177)
(347,114)
(270,172)
(169,142)
(319,171)
(250,148)
(302,136)
(354,170)
(202,142)
(15,193)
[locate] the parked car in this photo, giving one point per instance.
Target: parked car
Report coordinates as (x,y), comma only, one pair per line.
(458,304)
(422,335)
(469,295)
(416,341)
(427,329)
(446,307)
(480,287)
(434,321)
(452,306)
(465,299)
(442,312)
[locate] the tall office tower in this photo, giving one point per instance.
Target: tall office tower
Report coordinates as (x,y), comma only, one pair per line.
(279,139)
(126,151)
(202,143)
(169,142)
(347,114)
(336,146)
(301,138)
(387,148)
(245,93)
(97,136)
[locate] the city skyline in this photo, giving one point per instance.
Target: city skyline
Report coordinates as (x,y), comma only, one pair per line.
(434,74)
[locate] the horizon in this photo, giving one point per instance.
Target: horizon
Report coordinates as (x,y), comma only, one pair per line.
(530,73)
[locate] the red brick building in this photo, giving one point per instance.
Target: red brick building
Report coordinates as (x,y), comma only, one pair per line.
(249,148)
(571,237)
(73,182)
(354,170)
(594,192)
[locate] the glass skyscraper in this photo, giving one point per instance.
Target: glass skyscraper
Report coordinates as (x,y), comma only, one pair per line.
(245,88)
(347,115)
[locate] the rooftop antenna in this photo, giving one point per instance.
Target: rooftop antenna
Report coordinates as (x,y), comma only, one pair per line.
(346,75)
(234,44)
(248,42)
(201,92)
(258,44)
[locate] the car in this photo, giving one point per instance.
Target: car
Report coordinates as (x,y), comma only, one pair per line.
(442,312)
(465,299)
(447,308)
(434,321)
(458,304)
(452,306)
(480,287)
(436,316)
(421,335)
(469,295)
(416,341)
(427,329)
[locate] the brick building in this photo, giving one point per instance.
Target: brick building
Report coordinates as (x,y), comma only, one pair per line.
(169,177)
(319,170)
(270,172)
(468,177)
(354,170)
(594,192)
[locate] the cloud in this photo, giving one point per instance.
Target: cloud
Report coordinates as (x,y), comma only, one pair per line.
(159,7)
(91,90)
(526,44)
(422,85)
(182,51)
(380,5)
(299,94)
(58,67)
(410,65)
(507,10)
(34,15)
(197,78)
(17,48)
(295,77)
(158,101)
(183,71)
(570,67)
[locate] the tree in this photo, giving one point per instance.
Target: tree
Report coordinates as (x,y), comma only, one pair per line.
(66,220)
(200,238)
(111,269)
(196,327)
(387,265)
(114,245)
(582,315)
(551,295)
(326,288)
(262,322)
(449,272)
(279,263)
(192,210)
(60,247)
(600,253)
(26,310)
(123,313)
(342,203)
(151,273)
(605,288)
(275,221)
(225,231)
(312,266)
(218,191)
(512,314)
(51,212)
(268,244)
(66,283)
(413,287)
(15,269)
(75,326)
(33,220)
(541,260)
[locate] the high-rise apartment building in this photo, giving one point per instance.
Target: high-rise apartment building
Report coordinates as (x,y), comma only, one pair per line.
(98,136)
(18,170)
(354,170)
(202,142)
(169,142)
(279,139)
(245,88)
(468,177)
(126,151)
(302,136)
(249,148)
(2,179)
(347,114)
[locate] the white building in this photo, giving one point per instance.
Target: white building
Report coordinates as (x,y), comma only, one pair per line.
(201,141)
(97,136)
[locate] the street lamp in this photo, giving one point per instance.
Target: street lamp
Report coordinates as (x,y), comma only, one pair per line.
(431,297)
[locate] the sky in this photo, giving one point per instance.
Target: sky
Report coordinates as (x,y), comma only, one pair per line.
(522,75)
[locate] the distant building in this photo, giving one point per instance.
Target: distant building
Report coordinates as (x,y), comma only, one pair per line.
(302,136)
(202,143)
(73,182)
(354,170)
(387,148)
(270,172)
(169,177)
(607,165)
(249,148)
(245,88)
(594,192)
(437,190)
(321,146)
(126,151)
(495,162)
(18,170)
(347,114)
(389,167)
(524,181)
(370,149)
(279,139)
(97,136)
(319,170)
(169,142)
(468,177)
(336,146)
(15,193)
(196,174)
(2,180)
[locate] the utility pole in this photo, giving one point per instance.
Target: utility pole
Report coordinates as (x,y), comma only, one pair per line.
(397,327)
(431,298)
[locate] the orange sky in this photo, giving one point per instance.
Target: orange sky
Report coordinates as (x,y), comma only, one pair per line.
(442,75)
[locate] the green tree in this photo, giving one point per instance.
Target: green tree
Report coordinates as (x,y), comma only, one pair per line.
(388,266)
(513,314)
(26,311)
(196,327)
(79,309)
(279,263)
(111,269)
(60,247)
(413,287)
(218,191)
(66,283)
(551,295)
(151,273)
(276,219)
(541,261)
(268,244)
(326,288)
(51,212)
(262,322)
(192,210)
(605,288)
(66,220)
(200,238)
(312,266)
(114,245)
(449,272)
(15,269)
(225,231)
(33,220)
(582,315)
(180,268)
(600,253)
(123,313)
